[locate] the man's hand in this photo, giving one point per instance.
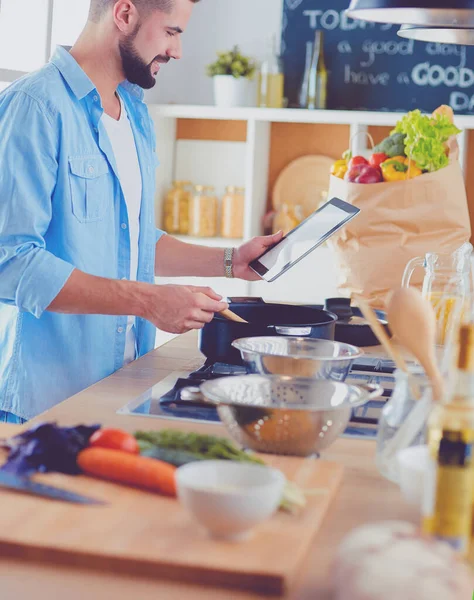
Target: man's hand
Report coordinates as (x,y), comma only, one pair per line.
(249,251)
(172,308)
(180,308)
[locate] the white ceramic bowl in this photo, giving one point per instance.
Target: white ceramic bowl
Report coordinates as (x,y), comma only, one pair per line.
(412,466)
(228,498)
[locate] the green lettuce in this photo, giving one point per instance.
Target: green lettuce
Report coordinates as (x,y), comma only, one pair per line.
(426,137)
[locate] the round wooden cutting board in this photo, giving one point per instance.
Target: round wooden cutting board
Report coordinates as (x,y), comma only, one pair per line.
(304,181)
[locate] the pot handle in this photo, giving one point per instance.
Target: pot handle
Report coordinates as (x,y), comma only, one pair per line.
(292,331)
(373,389)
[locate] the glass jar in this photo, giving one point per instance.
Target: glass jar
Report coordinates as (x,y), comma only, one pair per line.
(394,414)
(232,213)
(203,212)
(446,285)
(176,208)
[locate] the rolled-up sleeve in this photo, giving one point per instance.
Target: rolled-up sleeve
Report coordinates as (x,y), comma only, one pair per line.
(30,276)
(158,235)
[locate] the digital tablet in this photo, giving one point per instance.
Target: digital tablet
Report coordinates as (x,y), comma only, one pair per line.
(305,238)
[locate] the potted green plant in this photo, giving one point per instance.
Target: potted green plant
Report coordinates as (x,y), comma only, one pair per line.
(232,74)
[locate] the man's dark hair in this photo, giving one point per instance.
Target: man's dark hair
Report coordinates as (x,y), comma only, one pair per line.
(98,7)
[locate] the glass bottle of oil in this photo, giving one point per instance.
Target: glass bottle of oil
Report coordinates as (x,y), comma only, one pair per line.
(449,480)
(318,75)
(271,80)
(303,97)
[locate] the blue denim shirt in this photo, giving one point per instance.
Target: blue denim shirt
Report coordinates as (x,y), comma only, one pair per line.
(62,207)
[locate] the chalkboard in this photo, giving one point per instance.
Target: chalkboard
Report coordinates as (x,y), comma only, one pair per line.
(370,67)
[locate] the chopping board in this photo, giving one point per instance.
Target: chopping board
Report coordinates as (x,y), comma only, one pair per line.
(305,181)
(148,535)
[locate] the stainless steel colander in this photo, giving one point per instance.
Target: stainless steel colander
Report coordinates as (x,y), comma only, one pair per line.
(275,414)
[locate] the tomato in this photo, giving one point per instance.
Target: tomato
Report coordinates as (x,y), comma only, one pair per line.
(377,159)
(357,160)
(115,439)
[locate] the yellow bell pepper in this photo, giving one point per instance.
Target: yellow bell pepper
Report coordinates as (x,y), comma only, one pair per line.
(399,168)
(413,169)
(339,168)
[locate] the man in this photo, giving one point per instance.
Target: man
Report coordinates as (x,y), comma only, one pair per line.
(78,246)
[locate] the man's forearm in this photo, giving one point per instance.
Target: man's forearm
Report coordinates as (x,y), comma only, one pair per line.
(87,294)
(178,259)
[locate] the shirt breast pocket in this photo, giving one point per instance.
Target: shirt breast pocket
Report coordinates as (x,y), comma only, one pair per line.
(91,187)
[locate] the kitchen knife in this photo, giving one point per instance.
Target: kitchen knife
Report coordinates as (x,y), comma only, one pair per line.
(27,486)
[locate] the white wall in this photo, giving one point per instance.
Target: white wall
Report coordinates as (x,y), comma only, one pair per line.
(216,25)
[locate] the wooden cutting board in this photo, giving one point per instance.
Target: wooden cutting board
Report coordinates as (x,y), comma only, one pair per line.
(149,535)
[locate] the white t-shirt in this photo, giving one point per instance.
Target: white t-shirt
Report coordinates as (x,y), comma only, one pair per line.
(123,144)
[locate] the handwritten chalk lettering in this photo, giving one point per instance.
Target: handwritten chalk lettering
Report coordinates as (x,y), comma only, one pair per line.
(333,19)
(437,49)
(363,78)
(403,78)
(389,48)
(460,101)
(344,47)
(426,74)
(348,24)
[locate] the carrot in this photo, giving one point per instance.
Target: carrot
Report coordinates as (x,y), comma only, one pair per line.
(130,469)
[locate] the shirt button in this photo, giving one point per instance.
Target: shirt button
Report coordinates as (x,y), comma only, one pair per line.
(91,170)
(120,330)
(96,98)
(124,226)
(96,130)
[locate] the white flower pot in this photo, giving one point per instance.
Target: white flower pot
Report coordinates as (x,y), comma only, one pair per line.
(230,91)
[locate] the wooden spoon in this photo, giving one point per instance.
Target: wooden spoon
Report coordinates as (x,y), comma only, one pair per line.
(372,319)
(231,316)
(413,321)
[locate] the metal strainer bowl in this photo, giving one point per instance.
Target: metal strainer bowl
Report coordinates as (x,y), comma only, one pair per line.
(274,414)
(297,356)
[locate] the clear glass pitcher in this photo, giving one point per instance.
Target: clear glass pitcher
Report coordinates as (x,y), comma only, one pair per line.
(447,284)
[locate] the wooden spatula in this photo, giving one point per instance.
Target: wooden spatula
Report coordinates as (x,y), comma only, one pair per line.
(413,321)
(231,316)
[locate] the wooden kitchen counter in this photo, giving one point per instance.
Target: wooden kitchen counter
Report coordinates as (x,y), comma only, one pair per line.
(363,497)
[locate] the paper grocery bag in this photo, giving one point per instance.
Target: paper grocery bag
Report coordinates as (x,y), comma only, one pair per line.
(398,221)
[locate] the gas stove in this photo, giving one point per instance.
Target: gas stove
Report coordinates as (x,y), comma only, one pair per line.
(175,397)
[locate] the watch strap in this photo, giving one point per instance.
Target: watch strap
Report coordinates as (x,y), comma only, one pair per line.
(229,262)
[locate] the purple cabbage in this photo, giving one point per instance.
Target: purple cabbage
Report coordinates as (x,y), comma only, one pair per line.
(47,447)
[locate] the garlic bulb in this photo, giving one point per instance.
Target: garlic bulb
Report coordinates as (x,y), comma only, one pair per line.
(391,561)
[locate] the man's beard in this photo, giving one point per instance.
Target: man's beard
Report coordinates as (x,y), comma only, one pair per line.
(136,70)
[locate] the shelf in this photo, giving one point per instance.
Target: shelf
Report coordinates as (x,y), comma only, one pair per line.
(287,115)
(213,242)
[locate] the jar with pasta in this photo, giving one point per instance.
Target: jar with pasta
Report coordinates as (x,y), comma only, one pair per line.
(176,208)
(203,212)
(232,213)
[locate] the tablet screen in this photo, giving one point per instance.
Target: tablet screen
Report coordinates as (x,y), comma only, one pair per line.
(307,236)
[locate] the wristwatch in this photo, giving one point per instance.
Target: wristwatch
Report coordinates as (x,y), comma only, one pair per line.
(229,262)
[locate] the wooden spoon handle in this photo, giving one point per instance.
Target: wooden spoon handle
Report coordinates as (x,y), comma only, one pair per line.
(231,316)
(381,334)
(383,338)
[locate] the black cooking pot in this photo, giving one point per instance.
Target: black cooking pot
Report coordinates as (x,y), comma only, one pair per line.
(215,339)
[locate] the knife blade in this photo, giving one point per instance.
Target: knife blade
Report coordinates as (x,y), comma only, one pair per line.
(27,486)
